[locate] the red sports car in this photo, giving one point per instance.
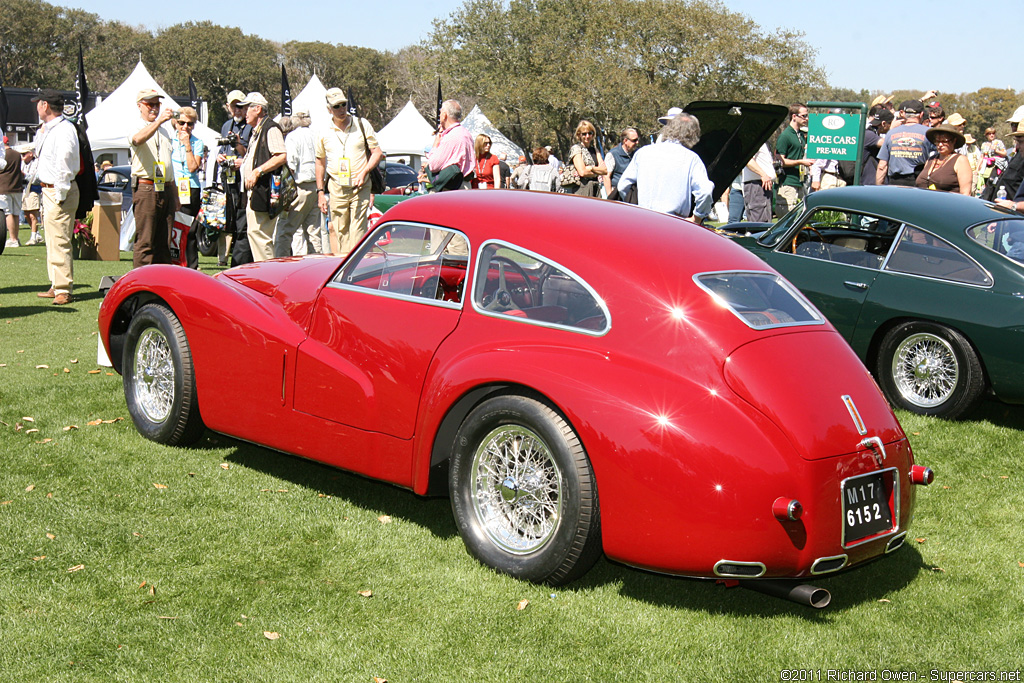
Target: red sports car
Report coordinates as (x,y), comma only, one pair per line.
(578,375)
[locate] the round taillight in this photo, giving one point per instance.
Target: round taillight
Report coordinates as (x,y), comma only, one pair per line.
(787,509)
(921,475)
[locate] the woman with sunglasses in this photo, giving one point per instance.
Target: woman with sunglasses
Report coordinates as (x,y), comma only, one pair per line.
(949,171)
(187,154)
(587,163)
(487,172)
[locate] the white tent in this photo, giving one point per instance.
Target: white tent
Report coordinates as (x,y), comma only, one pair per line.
(477,123)
(407,136)
(116,116)
(313,99)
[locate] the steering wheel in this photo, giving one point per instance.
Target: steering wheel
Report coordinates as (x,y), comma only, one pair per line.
(502,299)
(796,237)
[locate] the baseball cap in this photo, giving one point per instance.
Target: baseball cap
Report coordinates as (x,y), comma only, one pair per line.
(335,97)
(255,98)
(148,94)
(54,98)
(235,96)
(669,115)
(912,106)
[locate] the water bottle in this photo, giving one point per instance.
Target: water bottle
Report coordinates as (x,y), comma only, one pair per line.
(1001,193)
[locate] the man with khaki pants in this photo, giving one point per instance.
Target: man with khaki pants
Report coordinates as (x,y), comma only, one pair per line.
(59,161)
(342,163)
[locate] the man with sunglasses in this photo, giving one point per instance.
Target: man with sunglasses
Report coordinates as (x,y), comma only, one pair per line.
(618,159)
(154,195)
(905,148)
(790,147)
(236,133)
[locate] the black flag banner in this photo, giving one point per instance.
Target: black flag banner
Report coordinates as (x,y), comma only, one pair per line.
(286,94)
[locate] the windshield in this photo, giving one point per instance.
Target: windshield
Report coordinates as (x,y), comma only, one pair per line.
(1004,237)
(775,233)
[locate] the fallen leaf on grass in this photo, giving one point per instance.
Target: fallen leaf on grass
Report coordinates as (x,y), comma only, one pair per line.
(39,558)
(282,490)
(42,367)
(366,594)
(21,351)
(522,604)
(136,533)
(152,590)
(271,635)
(74,360)
(93,423)
(76,568)
(884,600)
(3,365)
(110,422)
(168,618)
(110,374)
(51,537)
(7,502)
(1003,477)
(938,569)
(70,427)
(142,585)
(160,486)
(30,487)
(17,427)
(378,679)
(225,466)
(49,495)
(29,419)
(67,370)
(94,372)
(45,441)
(384,519)
(31,431)
(920,540)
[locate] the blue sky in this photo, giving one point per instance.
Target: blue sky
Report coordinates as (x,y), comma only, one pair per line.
(860,45)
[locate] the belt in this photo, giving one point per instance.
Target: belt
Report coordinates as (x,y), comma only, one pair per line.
(145,181)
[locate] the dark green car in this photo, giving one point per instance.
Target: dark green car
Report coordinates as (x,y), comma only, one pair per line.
(927,287)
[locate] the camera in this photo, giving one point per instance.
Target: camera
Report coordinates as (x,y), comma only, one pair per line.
(231,139)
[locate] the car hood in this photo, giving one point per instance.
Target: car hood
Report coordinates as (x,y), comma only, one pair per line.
(731,133)
(293,282)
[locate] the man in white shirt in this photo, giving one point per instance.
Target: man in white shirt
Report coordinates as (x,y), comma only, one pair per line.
(302,215)
(59,161)
(668,172)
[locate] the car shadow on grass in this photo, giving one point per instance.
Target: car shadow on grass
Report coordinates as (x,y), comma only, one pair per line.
(998,413)
(876,581)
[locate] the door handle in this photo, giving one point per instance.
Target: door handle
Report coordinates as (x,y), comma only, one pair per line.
(855,285)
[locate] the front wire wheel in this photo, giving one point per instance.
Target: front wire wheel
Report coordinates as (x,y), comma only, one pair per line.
(523,491)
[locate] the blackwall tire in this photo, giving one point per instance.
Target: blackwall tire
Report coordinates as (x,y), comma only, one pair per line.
(206,240)
(159,379)
(523,492)
(930,369)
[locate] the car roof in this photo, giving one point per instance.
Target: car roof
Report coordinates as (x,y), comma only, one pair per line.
(944,213)
(587,235)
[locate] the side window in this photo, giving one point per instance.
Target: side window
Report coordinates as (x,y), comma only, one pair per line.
(414,261)
(517,284)
(843,237)
(1004,237)
(922,253)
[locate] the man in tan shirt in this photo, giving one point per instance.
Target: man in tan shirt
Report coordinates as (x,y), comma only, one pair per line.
(342,172)
(154,197)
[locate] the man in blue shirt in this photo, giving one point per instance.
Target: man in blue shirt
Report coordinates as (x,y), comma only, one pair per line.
(668,173)
(905,149)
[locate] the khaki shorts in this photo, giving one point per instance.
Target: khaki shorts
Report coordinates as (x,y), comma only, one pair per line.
(30,201)
(11,203)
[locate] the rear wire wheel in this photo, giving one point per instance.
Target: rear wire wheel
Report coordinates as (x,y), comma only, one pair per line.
(523,492)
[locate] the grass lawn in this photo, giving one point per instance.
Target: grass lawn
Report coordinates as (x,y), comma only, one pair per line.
(123,560)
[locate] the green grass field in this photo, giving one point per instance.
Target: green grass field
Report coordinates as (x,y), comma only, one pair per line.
(123,560)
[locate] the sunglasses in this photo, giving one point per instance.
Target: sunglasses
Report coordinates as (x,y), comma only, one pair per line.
(343,105)
(190,124)
(151,105)
(632,139)
(587,134)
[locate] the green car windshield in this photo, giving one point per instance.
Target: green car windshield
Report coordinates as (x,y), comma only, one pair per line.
(775,233)
(1004,237)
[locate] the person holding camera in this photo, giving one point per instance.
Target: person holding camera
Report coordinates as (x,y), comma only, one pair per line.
(266,155)
(234,142)
(154,197)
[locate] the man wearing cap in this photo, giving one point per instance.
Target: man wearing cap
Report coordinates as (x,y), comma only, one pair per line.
(346,152)
(905,149)
(58,162)
(874,135)
(229,159)
(154,197)
(265,155)
(450,161)
(302,215)
(790,147)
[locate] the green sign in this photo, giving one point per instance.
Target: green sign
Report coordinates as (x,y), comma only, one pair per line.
(833,136)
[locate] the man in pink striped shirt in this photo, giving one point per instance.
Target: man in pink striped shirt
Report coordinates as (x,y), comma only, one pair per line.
(450,161)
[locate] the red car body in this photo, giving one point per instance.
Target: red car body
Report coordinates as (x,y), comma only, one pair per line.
(717,449)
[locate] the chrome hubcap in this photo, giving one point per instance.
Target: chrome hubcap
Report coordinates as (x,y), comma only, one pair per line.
(516,489)
(154,375)
(925,370)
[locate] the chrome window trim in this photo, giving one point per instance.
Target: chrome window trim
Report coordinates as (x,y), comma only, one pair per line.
(895,511)
(786,284)
(899,237)
(381,228)
(471,289)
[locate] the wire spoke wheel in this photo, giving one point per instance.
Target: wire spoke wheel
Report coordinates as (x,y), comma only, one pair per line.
(925,370)
(516,489)
(154,375)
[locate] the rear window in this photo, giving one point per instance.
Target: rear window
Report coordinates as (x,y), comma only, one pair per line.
(1003,237)
(761,300)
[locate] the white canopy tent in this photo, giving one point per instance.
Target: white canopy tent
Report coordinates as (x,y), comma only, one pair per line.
(313,99)
(115,117)
(477,123)
(406,137)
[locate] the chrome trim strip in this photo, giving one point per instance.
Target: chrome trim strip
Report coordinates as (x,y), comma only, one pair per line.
(821,560)
(391,295)
(858,421)
(470,292)
(896,242)
(759,565)
(895,511)
(896,542)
